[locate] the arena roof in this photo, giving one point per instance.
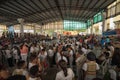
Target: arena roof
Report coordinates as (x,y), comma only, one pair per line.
(45,11)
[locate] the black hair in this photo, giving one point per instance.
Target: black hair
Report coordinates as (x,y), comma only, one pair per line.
(63,66)
(80,51)
(107,54)
(97,79)
(17,77)
(91,56)
(20,63)
(34,70)
(43,49)
(32,57)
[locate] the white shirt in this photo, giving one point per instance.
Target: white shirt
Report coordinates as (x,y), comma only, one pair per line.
(60,75)
(8,55)
(63,57)
(57,56)
(37,49)
(71,53)
(42,56)
(15,54)
(113,74)
(32,49)
(84,50)
(31,65)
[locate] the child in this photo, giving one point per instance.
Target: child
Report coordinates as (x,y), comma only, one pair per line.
(90,67)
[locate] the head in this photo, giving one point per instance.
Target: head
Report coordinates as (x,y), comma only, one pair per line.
(21,64)
(97,79)
(69,48)
(80,52)
(91,56)
(107,54)
(34,71)
(43,50)
(33,58)
(17,77)
(63,66)
(50,47)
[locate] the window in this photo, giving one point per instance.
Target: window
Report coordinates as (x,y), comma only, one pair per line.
(74,25)
(118,8)
(98,17)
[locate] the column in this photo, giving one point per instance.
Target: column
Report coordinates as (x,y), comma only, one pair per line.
(20,20)
(34,27)
(41,29)
(104,21)
(91,26)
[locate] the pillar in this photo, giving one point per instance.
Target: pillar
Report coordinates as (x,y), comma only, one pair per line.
(34,27)
(91,31)
(20,20)
(104,21)
(41,29)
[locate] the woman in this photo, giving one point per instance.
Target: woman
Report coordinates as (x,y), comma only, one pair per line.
(65,73)
(24,51)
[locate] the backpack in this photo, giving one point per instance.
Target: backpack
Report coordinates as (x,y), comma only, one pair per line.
(91,68)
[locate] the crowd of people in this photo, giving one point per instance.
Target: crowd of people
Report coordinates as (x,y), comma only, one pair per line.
(81,57)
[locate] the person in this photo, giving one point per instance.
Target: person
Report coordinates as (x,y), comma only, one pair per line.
(21,69)
(65,73)
(102,42)
(34,73)
(9,56)
(4,73)
(34,61)
(34,48)
(16,54)
(43,58)
(116,57)
(107,40)
(59,56)
(70,56)
(116,63)
(90,67)
(50,55)
(80,60)
(24,51)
